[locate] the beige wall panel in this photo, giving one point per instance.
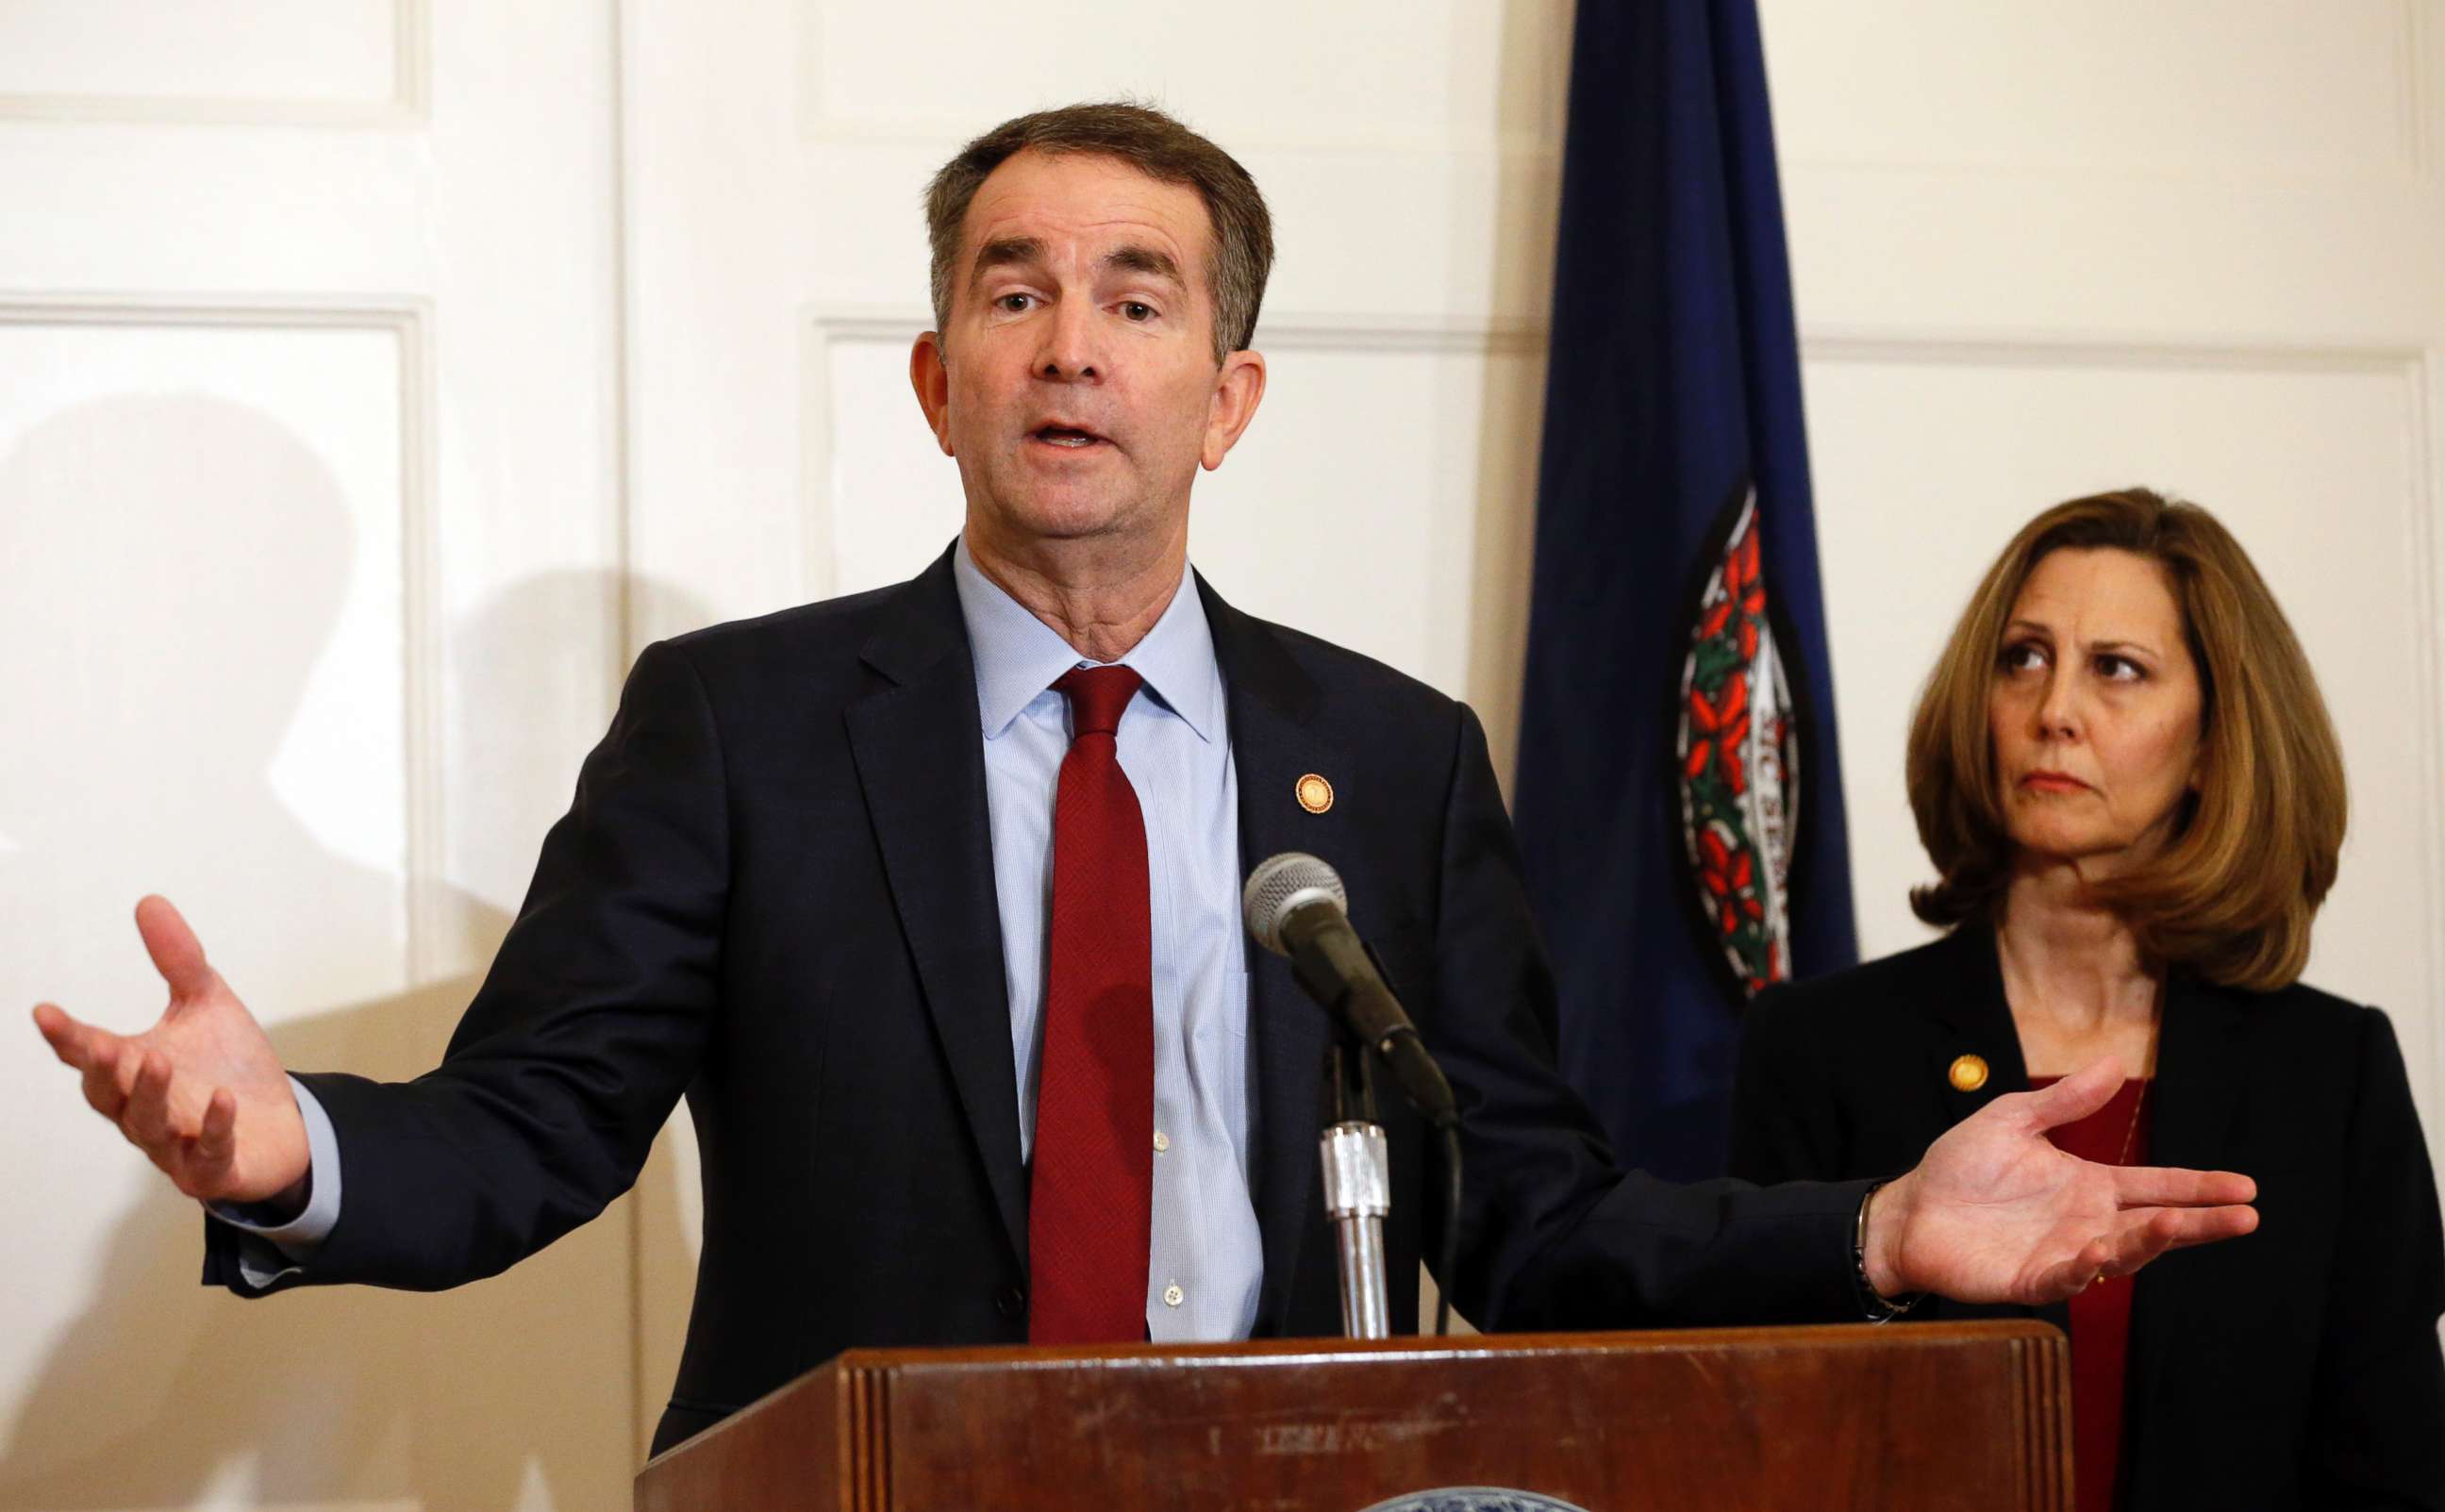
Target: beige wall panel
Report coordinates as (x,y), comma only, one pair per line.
(190,498)
(2191,170)
(209,528)
(1385,502)
(283,213)
(2099,86)
(1927,460)
(1379,72)
(168,58)
(883,498)
(198,501)
(2188,258)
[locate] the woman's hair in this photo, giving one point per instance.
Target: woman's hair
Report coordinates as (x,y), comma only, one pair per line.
(2232,893)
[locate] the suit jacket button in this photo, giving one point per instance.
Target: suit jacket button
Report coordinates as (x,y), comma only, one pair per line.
(1968,1073)
(1011,1303)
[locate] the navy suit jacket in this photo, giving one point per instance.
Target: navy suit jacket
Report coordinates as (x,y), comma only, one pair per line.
(773,893)
(2294,1368)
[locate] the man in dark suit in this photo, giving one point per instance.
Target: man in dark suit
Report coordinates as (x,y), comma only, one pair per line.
(924,898)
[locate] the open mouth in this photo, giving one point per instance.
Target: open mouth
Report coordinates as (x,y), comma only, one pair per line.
(1068,437)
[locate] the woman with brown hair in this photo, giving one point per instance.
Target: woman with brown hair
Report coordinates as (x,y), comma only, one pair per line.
(2127,780)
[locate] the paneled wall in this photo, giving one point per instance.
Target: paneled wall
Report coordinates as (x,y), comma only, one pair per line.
(310,596)
(376,378)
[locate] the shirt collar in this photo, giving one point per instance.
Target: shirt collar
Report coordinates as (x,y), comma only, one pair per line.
(1018,655)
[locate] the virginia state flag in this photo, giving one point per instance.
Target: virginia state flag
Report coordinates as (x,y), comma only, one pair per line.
(1678,797)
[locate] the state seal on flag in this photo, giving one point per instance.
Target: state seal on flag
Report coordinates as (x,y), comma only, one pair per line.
(1736,749)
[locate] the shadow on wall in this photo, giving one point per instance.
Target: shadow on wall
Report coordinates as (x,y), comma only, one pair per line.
(178,639)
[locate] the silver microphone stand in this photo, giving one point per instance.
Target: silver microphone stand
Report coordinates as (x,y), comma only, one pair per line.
(1358,1193)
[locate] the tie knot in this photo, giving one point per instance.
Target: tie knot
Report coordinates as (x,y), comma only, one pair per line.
(1097,695)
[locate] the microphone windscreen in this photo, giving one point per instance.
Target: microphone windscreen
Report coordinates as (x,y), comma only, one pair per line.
(1282,883)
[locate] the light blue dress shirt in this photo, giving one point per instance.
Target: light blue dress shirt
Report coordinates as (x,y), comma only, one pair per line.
(1206,1263)
(1207,1257)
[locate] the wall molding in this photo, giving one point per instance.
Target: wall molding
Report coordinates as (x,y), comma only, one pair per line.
(2006,349)
(423,663)
(940,139)
(2420,96)
(2425,535)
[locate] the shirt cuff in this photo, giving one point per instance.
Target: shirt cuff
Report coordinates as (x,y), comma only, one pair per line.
(269,1249)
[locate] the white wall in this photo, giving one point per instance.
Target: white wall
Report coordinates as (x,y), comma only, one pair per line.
(376,376)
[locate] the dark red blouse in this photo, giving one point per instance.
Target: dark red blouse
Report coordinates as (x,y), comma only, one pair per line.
(2116,1134)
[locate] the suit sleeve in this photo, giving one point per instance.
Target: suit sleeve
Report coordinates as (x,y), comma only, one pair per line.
(2377,1430)
(1783,1106)
(572,1055)
(1552,1234)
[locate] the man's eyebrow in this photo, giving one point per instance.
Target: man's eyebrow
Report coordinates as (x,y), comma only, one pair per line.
(1152,261)
(1003,251)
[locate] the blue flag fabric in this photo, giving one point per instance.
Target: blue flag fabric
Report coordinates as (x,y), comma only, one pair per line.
(1678,795)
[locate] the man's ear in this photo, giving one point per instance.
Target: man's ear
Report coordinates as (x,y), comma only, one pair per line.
(1238,390)
(929,374)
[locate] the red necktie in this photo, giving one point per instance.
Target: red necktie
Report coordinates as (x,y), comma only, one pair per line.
(1091,1204)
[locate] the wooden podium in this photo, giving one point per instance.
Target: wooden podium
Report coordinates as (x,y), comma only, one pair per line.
(1899,1419)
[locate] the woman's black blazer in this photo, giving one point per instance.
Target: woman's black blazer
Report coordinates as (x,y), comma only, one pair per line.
(2297,1367)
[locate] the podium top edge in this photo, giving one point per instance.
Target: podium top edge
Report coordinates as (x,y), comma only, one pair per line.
(1814,1336)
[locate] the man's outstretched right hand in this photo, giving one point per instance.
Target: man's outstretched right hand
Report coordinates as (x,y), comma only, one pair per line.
(200,1092)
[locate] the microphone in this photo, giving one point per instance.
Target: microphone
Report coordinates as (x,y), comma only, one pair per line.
(1296,907)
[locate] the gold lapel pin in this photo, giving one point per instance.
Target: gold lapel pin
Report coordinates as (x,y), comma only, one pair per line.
(1315,795)
(1969,1073)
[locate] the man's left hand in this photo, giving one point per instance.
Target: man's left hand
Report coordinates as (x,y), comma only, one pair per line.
(1995,1213)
